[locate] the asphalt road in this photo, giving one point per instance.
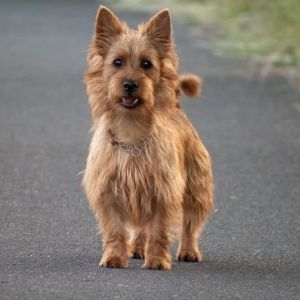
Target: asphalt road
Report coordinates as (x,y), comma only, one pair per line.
(49,248)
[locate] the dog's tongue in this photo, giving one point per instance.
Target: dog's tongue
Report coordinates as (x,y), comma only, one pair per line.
(129,101)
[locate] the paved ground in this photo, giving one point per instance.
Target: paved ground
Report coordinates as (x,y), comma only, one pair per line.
(49,244)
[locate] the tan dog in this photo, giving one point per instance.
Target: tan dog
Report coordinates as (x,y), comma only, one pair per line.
(147,174)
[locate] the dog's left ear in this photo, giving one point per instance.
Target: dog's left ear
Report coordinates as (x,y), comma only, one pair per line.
(158,29)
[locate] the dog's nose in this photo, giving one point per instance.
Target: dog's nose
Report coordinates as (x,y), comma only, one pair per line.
(130,85)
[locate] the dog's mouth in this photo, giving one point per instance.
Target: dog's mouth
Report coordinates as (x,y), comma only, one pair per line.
(130,102)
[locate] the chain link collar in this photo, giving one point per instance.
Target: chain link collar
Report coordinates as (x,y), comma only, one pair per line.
(134,150)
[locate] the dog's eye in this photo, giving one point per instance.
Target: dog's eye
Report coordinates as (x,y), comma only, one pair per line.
(146,64)
(118,63)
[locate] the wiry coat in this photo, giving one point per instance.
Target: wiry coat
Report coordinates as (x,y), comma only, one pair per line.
(169,186)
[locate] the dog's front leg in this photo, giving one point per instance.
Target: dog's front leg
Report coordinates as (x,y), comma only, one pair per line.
(115,239)
(157,252)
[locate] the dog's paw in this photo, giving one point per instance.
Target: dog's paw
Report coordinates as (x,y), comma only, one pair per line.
(190,255)
(138,253)
(114,262)
(158,264)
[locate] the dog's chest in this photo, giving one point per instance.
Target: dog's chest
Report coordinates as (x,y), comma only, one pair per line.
(135,184)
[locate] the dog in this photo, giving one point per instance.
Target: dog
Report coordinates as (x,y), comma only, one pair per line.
(148,176)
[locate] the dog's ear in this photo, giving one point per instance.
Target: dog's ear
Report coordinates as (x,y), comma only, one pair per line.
(158,29)
(107,28)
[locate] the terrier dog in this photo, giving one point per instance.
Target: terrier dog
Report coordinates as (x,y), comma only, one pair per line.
(148,175)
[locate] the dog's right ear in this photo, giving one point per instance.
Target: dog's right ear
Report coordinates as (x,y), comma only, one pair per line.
(107,28)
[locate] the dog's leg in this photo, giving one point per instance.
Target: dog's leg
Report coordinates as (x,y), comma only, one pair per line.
(193,221)
(115,240)
(157,253)
(138,241)
(197,204)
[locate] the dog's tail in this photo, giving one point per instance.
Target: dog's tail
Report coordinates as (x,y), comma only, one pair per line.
(189,85)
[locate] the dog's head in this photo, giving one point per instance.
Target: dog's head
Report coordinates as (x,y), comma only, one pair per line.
(131,71)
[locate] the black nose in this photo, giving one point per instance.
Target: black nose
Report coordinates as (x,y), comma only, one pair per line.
(130,85)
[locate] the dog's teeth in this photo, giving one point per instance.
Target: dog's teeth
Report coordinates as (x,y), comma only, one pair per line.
(129,102)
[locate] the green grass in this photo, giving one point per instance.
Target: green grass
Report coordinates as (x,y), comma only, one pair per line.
(268,29)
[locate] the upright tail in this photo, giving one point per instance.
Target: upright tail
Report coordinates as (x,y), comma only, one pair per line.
(190,85)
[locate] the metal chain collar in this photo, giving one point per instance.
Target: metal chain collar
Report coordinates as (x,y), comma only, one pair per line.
(134,150)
